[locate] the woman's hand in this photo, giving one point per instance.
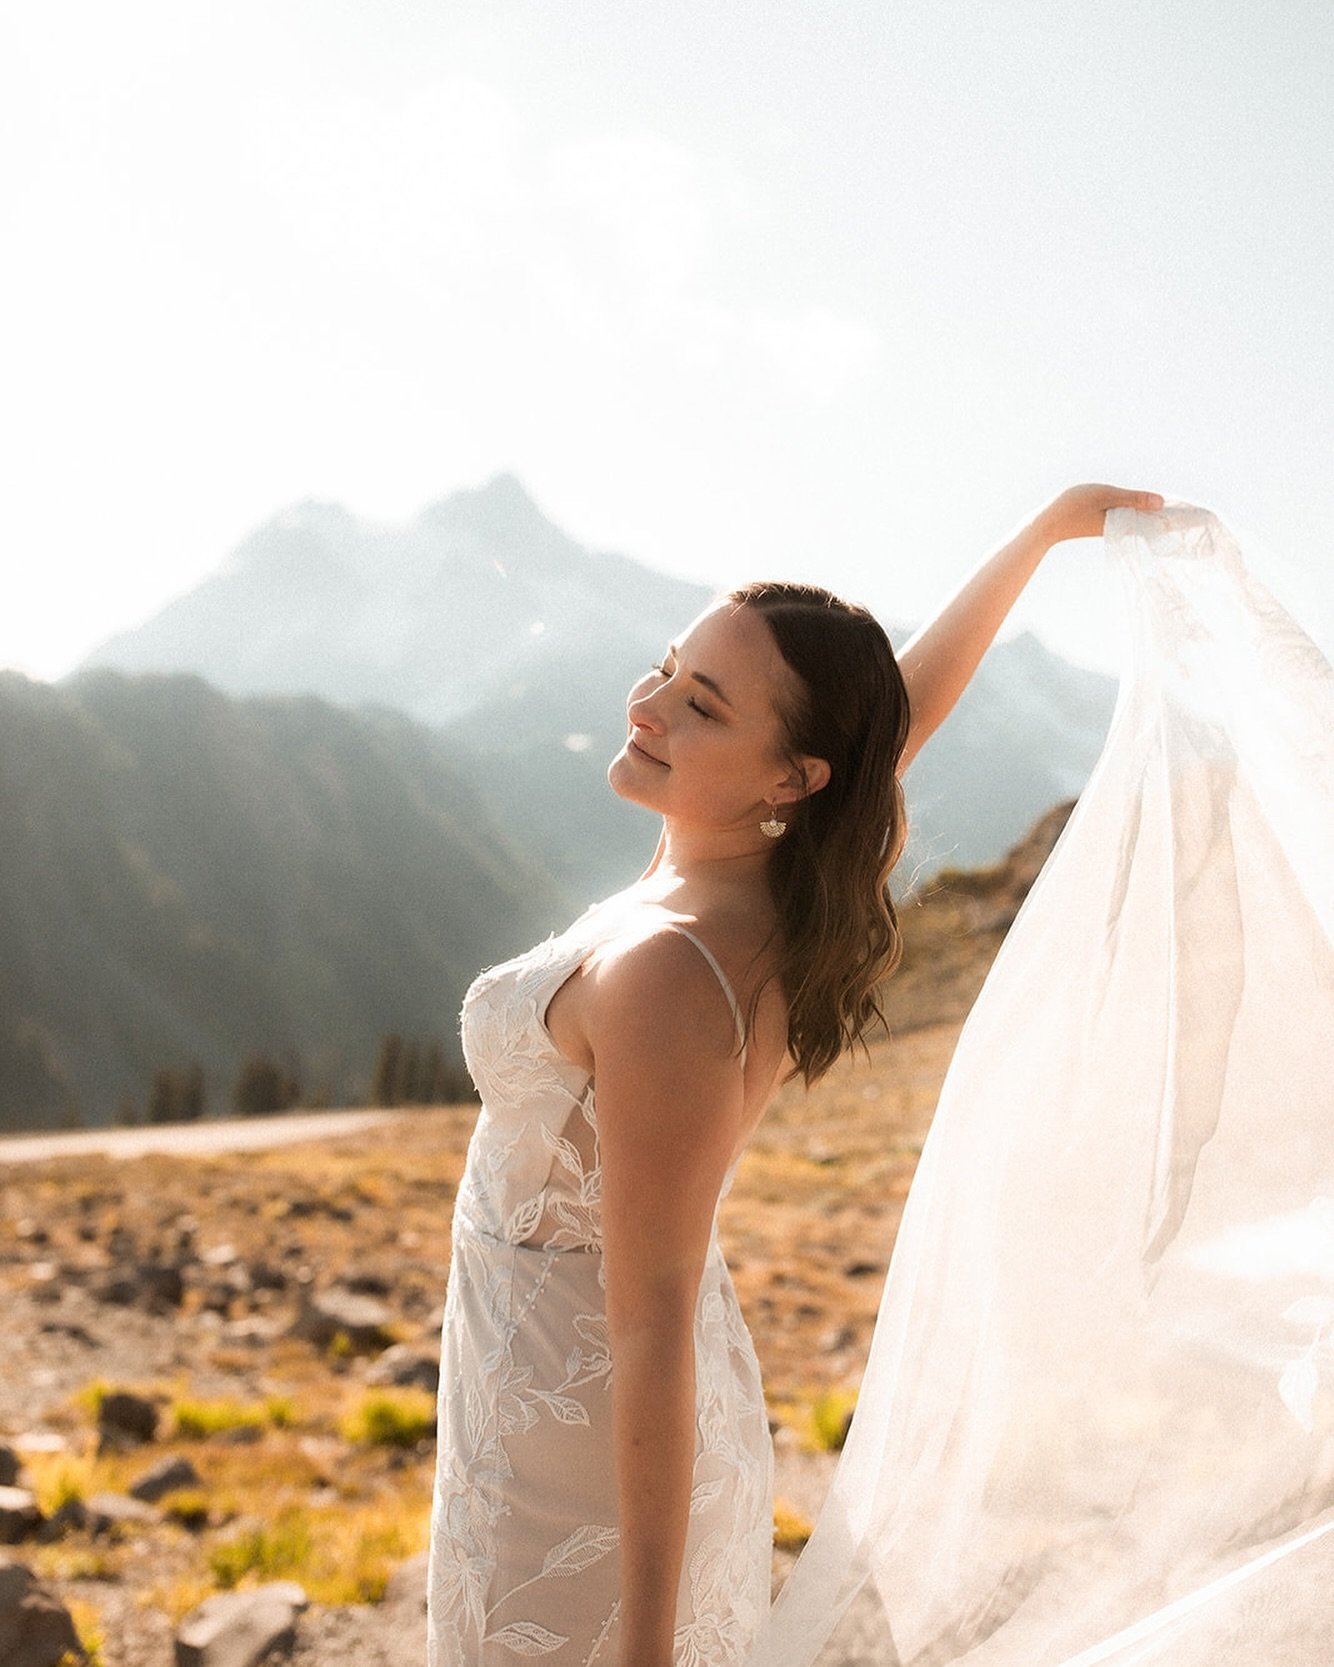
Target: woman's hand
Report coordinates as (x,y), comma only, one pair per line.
(940,658)
(1078,512)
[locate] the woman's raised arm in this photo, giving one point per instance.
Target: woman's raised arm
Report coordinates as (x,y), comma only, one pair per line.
(940,658)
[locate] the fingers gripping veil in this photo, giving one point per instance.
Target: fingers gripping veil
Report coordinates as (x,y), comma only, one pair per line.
(1097,1423)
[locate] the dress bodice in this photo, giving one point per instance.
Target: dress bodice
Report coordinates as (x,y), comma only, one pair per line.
(534,1174)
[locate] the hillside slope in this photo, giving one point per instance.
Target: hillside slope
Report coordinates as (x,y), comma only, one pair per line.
(193,879)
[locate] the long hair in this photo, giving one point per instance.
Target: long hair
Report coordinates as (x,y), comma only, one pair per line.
(837,929)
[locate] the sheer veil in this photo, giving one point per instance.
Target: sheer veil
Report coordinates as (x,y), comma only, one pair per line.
(1097,1420)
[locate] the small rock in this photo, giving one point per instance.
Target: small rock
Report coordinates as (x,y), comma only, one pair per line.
(837,1338)
(863,1270)
(240,1435)
(219,1256)
(239,1629)
(161,1285)
(20,1515)
(124,1418)
(36,1629)
(252,1330)
(10,1465)
(323,1315)
(164,1478)
(71,1329)
(368,1284)
(109,1511)
(407,1367)
(118,1286)
(31,1231)
(69,1517)
(265,1277)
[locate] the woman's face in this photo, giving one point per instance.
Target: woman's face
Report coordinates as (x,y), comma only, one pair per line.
(705,743)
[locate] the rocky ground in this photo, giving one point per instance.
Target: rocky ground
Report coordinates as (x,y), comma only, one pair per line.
(272,1317)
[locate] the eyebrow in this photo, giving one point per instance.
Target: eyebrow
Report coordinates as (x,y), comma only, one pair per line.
(708,682)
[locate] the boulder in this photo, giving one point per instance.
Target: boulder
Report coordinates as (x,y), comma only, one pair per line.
(69,1517)
(161,1285)
(407,1366)
(323,1315)
(118,1286)
(107,1512)
(240,1629)
(157,1286)
(36,1629)
(124,1419)
(164,1478)
(20,1516)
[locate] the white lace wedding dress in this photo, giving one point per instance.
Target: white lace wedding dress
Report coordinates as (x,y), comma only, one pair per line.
(523,1560)
(1096,1426)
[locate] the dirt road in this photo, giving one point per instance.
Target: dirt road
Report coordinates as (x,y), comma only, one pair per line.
(230,1134)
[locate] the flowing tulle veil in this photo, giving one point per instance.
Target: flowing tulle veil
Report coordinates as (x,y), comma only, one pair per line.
(1097,1420)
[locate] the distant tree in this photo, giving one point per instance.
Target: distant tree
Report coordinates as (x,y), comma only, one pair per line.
(385,1082)
(264,1087)
(192,1093)
(177,1096)
(409,1071)
(430,1089)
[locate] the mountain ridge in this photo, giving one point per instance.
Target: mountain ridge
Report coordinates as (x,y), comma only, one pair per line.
(481,617)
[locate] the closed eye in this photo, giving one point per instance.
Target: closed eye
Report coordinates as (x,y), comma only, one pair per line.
(690,699)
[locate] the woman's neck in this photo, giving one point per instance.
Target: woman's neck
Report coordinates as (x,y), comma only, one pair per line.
(709,862)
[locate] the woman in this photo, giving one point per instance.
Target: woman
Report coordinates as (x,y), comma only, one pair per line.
(574,1523)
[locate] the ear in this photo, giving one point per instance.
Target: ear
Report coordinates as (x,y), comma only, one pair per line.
(807,776)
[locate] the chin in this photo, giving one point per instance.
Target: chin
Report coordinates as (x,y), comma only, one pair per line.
(627,782)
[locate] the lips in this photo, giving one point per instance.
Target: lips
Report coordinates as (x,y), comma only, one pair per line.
(635,747)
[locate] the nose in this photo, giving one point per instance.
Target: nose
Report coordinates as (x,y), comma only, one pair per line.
(642,709)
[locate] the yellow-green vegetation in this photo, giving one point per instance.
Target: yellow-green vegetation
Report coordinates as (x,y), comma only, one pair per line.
(196,1420)
(820,1420)
(189,1507)
(340,1555)
(89,1399)
(58,1562)
(271,1551)
(391,1418)
(88,1627)
(791,1529)
(830,1414)
(59,1479)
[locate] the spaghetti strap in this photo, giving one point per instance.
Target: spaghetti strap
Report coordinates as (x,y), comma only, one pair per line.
(722,978)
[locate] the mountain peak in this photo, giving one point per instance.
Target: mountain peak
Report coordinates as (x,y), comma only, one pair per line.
(502,505)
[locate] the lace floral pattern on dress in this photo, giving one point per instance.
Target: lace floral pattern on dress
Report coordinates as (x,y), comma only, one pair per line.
(524,1539)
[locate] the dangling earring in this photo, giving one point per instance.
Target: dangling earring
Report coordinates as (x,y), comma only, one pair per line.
(773,828)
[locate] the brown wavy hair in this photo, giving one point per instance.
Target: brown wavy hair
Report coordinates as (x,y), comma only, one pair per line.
(838,934)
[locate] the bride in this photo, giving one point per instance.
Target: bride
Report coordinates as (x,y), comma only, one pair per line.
(603,1492)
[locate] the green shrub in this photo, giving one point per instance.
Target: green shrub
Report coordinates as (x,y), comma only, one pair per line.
(391,1418)
(273,1552)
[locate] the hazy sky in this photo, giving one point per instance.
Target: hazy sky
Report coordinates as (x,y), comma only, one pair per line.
(759,287)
